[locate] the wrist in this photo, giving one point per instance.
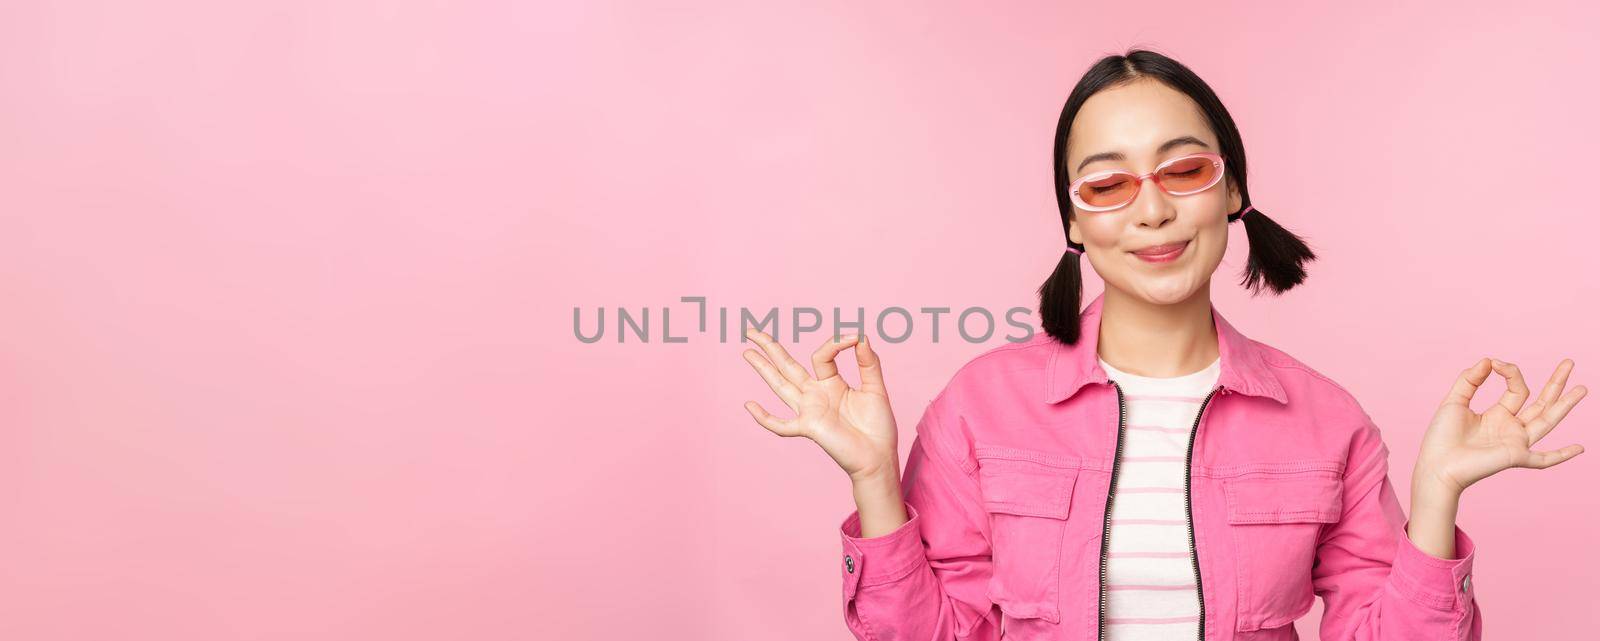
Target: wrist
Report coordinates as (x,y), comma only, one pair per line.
(1432,484)
(1435,498)
(877,478)
(1427,479)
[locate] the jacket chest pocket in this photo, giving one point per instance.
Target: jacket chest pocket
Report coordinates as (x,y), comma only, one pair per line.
(1276,520)
(1028,496)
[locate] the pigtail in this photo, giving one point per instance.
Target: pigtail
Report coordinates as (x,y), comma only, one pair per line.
(1277,256)
(1061,294)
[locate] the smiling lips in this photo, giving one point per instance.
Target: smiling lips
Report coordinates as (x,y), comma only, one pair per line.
(1161,253)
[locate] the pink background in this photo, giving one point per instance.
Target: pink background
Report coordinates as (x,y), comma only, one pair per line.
(287,345)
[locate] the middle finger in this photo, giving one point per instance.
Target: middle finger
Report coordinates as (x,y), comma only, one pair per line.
(1547,420)
(1552,389)
(790,368)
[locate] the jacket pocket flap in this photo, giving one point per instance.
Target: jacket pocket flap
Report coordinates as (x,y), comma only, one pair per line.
(1026,483)
(1311,498)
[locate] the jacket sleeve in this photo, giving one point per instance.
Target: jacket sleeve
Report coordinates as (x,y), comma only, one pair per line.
(1376,585)
(927,580)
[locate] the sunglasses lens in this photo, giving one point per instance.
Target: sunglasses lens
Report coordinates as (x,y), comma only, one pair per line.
(1114,189)
(1189,174)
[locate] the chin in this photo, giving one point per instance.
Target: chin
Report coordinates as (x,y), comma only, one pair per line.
(1166,293)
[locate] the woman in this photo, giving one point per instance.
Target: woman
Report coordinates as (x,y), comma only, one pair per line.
(1142,470)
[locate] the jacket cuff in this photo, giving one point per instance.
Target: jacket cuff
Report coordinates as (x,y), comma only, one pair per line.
(1442,584)
(880,559)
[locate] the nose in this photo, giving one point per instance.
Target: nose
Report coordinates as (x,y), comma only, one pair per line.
(1152,207)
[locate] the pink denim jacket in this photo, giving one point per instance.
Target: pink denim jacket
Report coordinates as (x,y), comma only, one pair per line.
(1288,497)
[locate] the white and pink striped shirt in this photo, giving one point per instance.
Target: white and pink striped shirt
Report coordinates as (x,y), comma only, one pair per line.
(1149,571)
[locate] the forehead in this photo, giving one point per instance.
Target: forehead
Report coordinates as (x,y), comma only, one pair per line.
(1134,119)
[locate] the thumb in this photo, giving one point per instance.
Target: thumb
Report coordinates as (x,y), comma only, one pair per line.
(871,367)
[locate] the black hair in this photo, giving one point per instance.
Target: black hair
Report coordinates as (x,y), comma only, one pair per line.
(1277,256)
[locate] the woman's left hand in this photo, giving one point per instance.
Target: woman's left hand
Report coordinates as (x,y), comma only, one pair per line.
(1462,447)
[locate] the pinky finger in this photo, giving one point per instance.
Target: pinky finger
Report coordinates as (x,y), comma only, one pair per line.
(779,426)
(1541,460)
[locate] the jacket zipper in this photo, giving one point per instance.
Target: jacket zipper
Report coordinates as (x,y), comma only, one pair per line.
(1188,510)
(1105,534)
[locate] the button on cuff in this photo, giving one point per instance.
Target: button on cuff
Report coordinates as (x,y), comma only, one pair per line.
(1429,580)
(880,559)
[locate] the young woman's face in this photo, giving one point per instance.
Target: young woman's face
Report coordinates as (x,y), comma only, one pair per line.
(1135,120)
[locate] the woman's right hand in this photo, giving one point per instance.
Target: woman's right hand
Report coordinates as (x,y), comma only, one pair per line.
(854,426)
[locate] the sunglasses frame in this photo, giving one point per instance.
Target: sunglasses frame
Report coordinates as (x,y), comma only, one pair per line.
(1077,201)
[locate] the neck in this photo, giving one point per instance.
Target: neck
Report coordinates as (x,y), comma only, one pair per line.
(1157,339)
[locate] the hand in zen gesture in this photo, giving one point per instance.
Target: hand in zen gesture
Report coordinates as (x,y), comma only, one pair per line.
(1462,447)
(853,425)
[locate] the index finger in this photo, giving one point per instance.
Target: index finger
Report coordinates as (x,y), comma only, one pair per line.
(1468,383)
(822,359)
(1516,389)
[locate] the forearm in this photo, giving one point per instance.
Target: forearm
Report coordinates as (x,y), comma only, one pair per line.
(1432,524)
(880,504)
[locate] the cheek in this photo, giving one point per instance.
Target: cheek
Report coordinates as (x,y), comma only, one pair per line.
(1215,233)
(1213,243)
(1100,231)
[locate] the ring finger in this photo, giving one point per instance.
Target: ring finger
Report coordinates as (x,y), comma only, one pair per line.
(780,385)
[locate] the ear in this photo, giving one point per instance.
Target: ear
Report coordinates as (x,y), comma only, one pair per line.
(1072,229)
(1235,199)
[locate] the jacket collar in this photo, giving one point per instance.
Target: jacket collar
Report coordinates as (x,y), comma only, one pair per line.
(1073,366)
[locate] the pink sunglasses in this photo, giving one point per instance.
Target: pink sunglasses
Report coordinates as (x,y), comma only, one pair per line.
(1113,189)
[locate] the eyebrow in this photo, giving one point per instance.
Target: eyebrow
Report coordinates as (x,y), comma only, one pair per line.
(1166,146)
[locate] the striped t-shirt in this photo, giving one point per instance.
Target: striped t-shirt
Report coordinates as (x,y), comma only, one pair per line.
(1149,571)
